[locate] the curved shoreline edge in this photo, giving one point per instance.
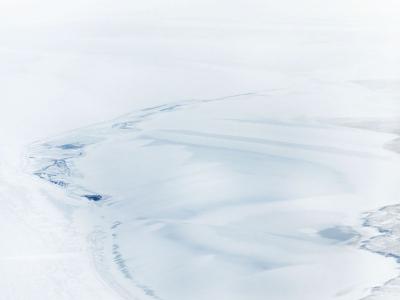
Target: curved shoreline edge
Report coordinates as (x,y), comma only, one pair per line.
(386,220)
(53,162)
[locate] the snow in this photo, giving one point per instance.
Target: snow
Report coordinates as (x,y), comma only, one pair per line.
(43,254)
(293,78)
(225,198)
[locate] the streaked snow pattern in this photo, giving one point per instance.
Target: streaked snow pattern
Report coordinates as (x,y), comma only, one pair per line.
(252,196)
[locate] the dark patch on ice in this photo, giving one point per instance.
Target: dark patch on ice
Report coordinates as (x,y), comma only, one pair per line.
(94,197)
(71,146)
(120,262)
(52,172)
(122,266)
(58,166)
(59,182)
(339,233)
(125,125)
(116,224)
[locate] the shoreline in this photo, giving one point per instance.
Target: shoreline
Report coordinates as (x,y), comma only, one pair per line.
(71,148)
(385,220)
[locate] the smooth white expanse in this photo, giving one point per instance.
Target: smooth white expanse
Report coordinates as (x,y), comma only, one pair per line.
(227,199)
(64,65)
(43,255)
(69,63)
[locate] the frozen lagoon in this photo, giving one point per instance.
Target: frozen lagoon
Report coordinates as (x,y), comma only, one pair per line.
(67,64)
(254,196)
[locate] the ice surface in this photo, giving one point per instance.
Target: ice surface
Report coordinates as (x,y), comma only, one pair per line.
(248,198)
(224,198)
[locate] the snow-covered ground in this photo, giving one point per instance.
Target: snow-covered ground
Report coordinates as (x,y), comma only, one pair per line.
(253,162)
(236,198)
(43,254)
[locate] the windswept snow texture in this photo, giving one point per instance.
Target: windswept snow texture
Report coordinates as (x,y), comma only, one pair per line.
(229,199)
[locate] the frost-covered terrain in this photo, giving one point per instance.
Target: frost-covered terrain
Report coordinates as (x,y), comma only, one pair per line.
(257,157)
(239,197)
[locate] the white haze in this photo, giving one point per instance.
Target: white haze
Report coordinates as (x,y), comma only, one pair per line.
(308,65)
(65,64)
